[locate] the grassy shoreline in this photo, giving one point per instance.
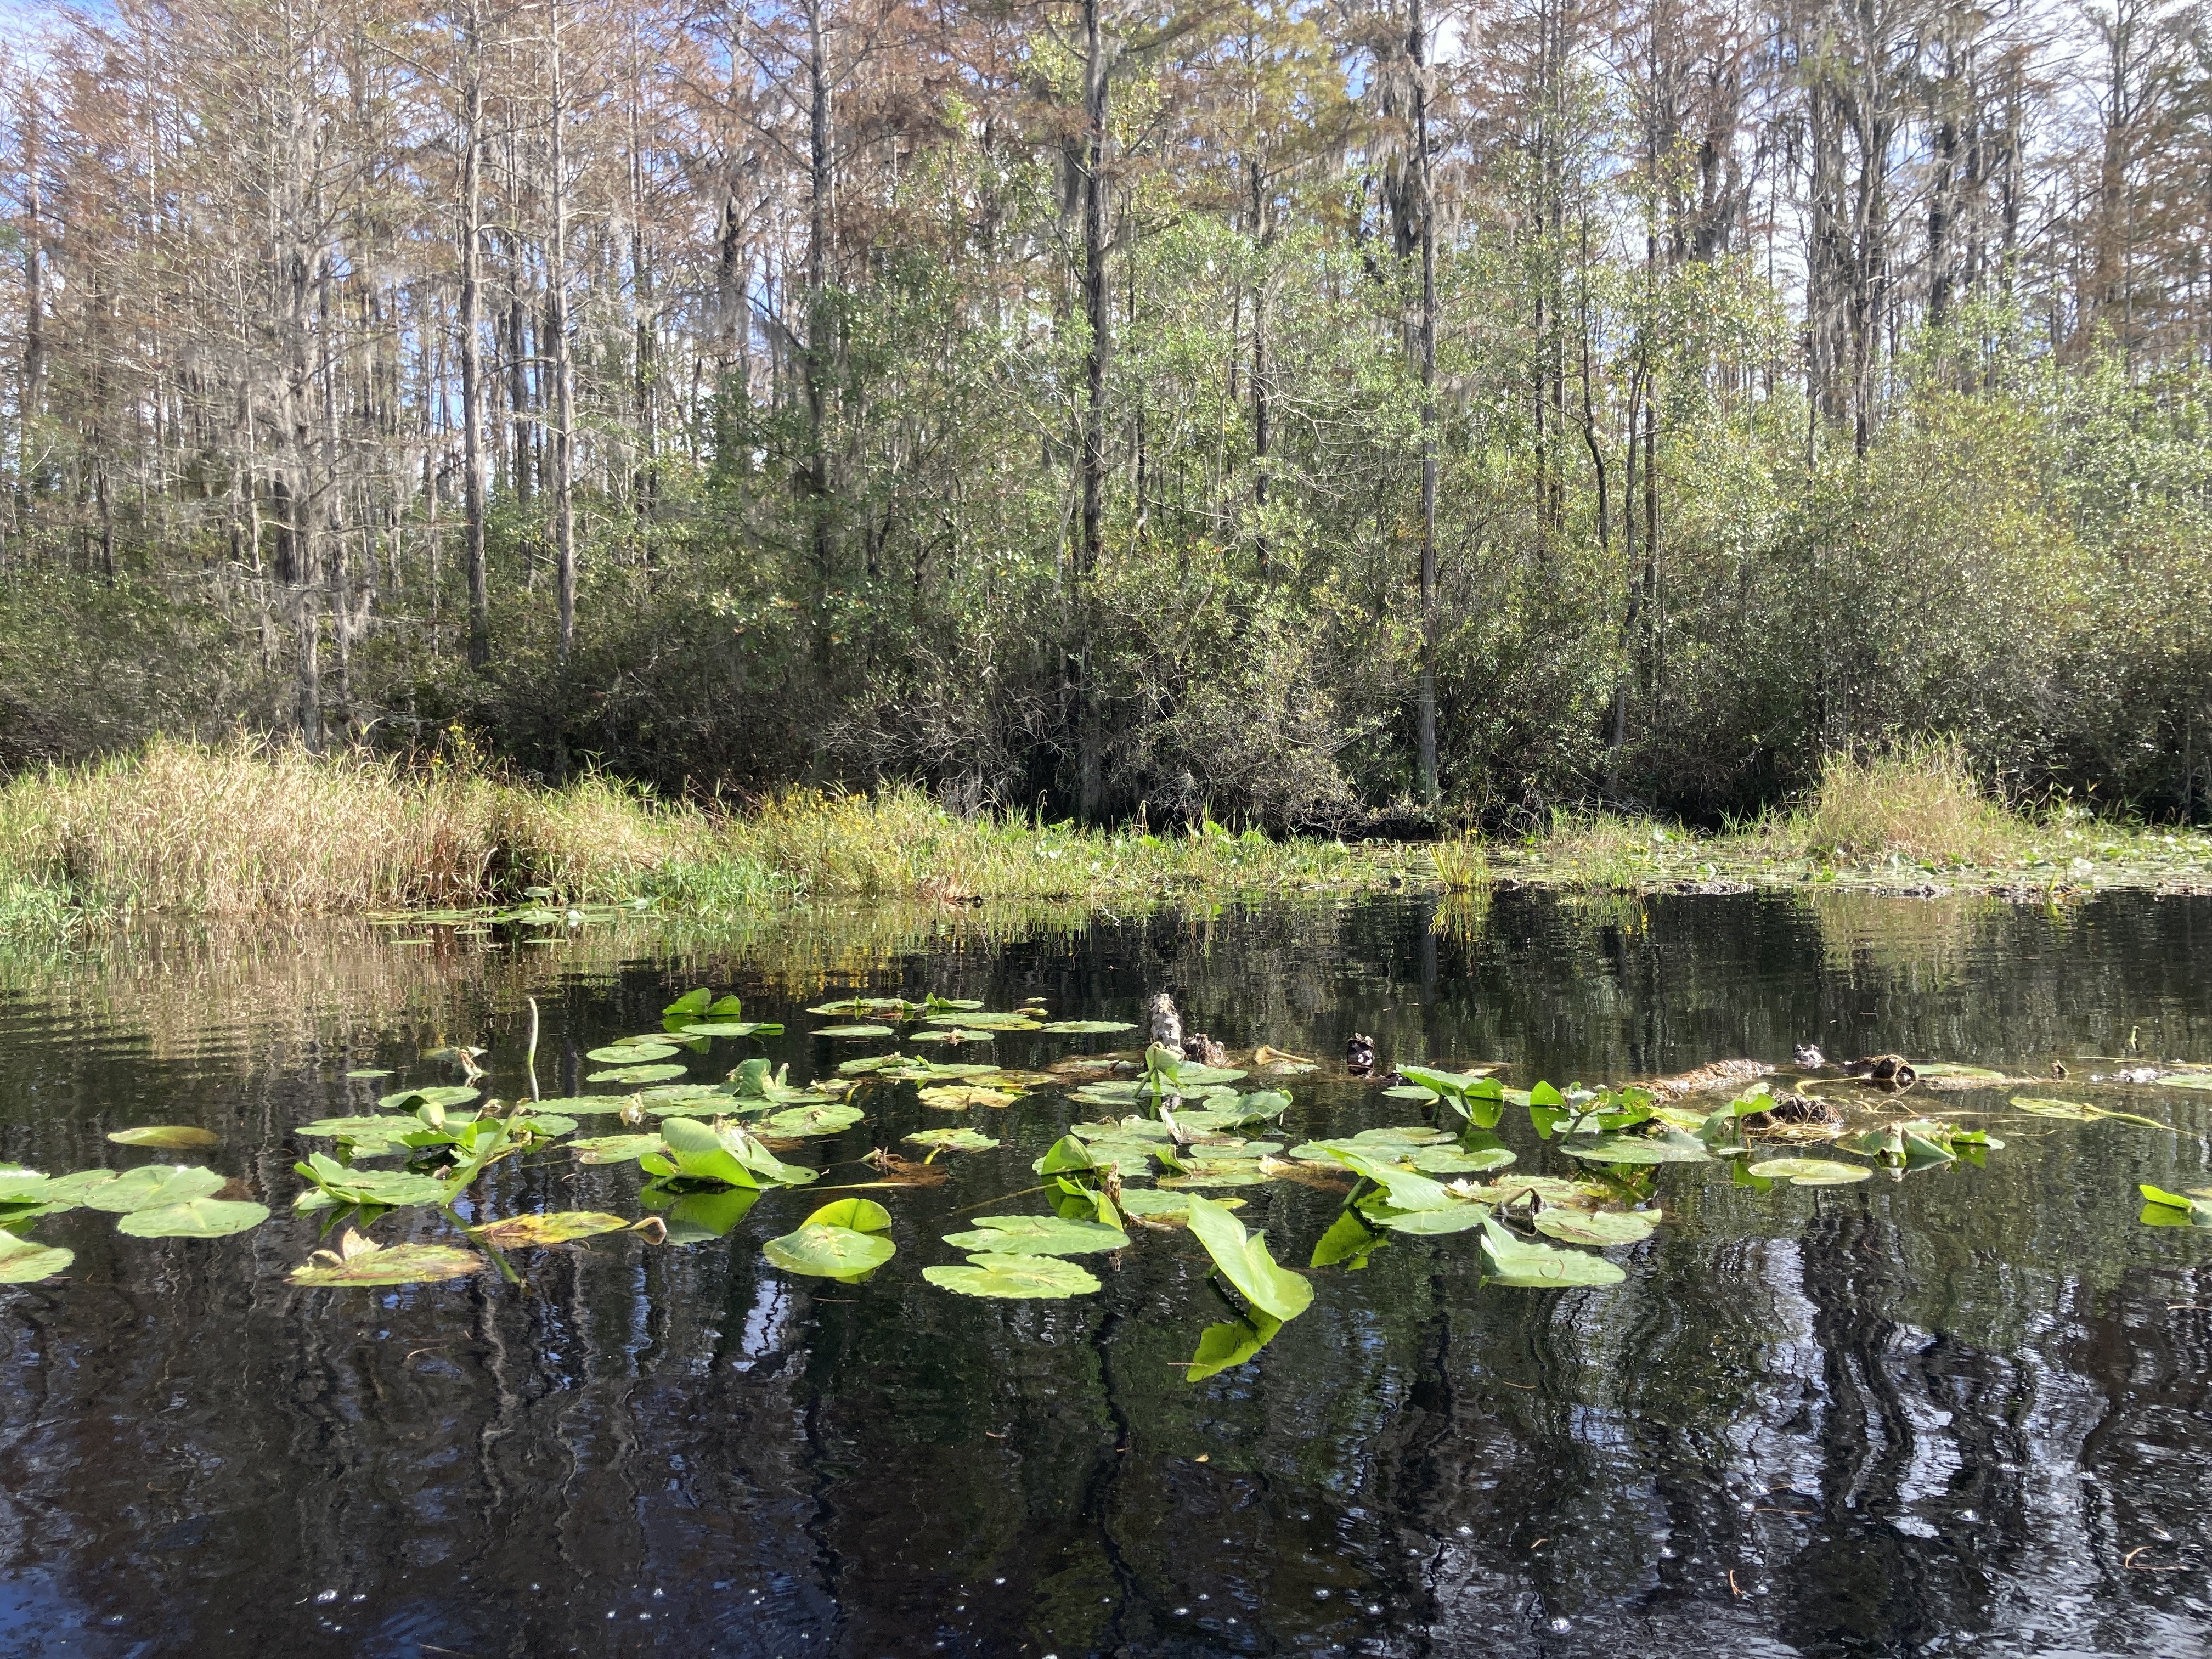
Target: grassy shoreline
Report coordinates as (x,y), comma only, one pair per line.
(180,830)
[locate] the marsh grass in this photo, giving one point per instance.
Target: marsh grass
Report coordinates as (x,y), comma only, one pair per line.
(269,830)
(255,830)
(1920,802)
(1462,864)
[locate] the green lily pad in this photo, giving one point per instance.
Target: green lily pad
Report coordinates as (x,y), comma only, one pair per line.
(636,1074)
(855,1031)
(1810,1171)
(1453,1160)
(556,1227)
(811,1120)
(371,1072)
(2179,1081)
(693,1218)
(614,1149)
(358,1262)
(952,1034)
(1155,1205)
(1672,1147)
(1027,1277)
(953,1140)
(165,1134)
(447,1094)
(1086,1027)
(22,1263)
(1458,1218)
(978,1022)
(1946,1069)
(1037,1235)
(1531,1266)
(730,1028)
(1602,1228)
(194,1217)
(1406,1190)
(843,1240)
(633,1053)
(333,1183)
(895,1005)
(1244,1262)
(147,1186)
(362,1130)
(1222,1346)
(1350,1239)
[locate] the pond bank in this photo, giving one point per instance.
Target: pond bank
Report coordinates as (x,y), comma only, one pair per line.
(248,832)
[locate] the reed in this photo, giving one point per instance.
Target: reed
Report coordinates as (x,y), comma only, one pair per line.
(1919,802)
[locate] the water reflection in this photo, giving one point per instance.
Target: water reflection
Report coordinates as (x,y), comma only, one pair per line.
(1963,1413)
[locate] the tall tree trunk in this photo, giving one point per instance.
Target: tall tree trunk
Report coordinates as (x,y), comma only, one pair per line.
(472,460)
(1097,303)
(821,206)
(1416,45)
(31,398)
(557,312)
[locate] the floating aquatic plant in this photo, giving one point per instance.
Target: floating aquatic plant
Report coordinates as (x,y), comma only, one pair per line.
(357,1261)
(846,1240)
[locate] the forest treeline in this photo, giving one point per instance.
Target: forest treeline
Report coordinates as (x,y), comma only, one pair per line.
(1287,409)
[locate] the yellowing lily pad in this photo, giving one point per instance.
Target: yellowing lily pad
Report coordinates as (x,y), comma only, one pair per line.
(22,1263)
(358,1262)
(959,1096)
(165,1134)
(556,1227)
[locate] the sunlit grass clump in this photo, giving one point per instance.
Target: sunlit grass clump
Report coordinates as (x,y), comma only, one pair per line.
(255,830)
(1920,802)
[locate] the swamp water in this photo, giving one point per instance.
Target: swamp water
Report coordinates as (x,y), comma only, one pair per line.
(1958,1409)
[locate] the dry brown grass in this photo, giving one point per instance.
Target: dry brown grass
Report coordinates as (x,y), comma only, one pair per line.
(256,830)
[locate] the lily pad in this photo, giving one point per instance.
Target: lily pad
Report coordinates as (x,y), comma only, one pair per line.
(1453,1160)
(980,1022)
(1946,1069)
(1037,1235)
(896,1006)
(952,1034)
(1157,1205)
(2177,1080)
(843,1240)
(2078,1112)
(1026,1278)
(362,1130)
(1225,1346)
(636,1074)
(855,1031)
(953,1140)
(333,1183)
(1672,1147)
(22,1263)
(730,1028)
(1530,1267)
(959,1096)
(812,1120)
(1456,1218)
(633,1053)
(165,1134)
(370,1072)
(147,1186)
(1602,1228)
(1086,1027)
(358,1262)
(1244,1262)
(613,1149)
(194,1217)
(555,1227)
(444,1094)
(1810,1171)
(1406,1190)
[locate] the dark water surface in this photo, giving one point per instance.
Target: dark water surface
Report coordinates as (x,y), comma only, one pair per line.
(1967,1412)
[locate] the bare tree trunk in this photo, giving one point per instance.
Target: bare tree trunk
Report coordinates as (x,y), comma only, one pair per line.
(557,312)
(1416,44)
(473,480)
(32,396)
(1097,314)
(821,207)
